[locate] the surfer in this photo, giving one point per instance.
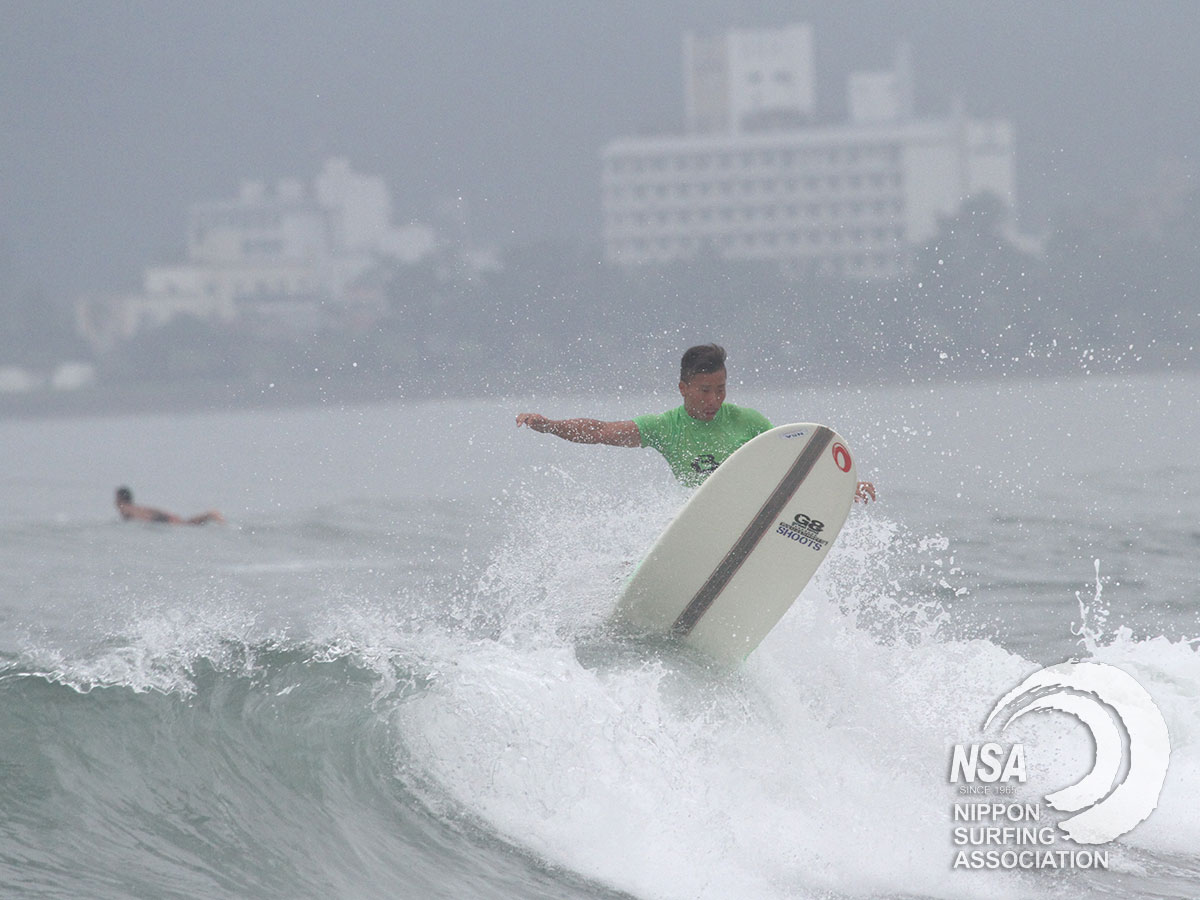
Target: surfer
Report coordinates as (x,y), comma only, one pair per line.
(131,511)
(694,438)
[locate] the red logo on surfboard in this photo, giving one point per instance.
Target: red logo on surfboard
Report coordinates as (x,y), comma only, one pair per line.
(841,457)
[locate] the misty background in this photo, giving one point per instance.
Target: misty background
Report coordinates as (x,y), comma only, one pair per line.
(116,117)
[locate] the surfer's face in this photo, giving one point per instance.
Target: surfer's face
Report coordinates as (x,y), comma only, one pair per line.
(703,394)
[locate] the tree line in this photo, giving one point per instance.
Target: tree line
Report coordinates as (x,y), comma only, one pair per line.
(1104,293)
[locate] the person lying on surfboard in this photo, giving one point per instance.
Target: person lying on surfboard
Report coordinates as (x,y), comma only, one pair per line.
(694,438)
(131,511)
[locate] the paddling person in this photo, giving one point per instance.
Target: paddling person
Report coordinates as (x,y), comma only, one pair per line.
(694,438)
(131,511)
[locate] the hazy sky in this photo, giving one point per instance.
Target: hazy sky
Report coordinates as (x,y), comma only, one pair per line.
(115,116)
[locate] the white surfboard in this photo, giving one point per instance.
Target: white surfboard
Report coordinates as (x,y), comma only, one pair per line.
(746,543)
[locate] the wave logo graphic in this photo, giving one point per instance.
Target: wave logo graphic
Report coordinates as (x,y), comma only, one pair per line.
(1121,717)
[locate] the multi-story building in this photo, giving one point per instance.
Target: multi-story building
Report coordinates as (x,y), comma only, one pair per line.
(756,178)
(277,261)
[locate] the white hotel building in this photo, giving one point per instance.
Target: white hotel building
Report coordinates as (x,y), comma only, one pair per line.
(276,261)
(754,178)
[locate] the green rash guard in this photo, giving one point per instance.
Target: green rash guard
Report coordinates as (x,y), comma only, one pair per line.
(693,448)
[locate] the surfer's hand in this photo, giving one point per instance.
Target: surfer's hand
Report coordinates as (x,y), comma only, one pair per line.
(535,421)
(865,492)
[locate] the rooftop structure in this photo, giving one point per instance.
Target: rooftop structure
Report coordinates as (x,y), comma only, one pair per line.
(743,80)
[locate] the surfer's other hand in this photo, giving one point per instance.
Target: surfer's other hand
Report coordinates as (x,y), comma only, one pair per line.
(865,492)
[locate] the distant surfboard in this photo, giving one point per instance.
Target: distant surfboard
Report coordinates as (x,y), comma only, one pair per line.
(746,543)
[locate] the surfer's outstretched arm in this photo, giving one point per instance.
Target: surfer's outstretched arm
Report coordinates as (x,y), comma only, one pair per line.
(584,431)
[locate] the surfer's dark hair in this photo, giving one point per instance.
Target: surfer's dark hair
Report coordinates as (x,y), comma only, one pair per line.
(124,495)
(701,360)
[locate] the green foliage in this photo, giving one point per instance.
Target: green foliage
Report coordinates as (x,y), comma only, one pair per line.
(558,317)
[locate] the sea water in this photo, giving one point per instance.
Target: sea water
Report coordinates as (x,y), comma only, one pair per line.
(388,675)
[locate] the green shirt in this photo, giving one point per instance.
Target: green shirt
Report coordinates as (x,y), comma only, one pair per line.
(693,448)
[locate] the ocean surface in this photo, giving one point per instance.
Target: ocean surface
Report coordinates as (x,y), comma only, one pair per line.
(388,676)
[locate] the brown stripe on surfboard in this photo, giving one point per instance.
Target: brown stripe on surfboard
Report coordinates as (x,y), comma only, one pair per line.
(762,521)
